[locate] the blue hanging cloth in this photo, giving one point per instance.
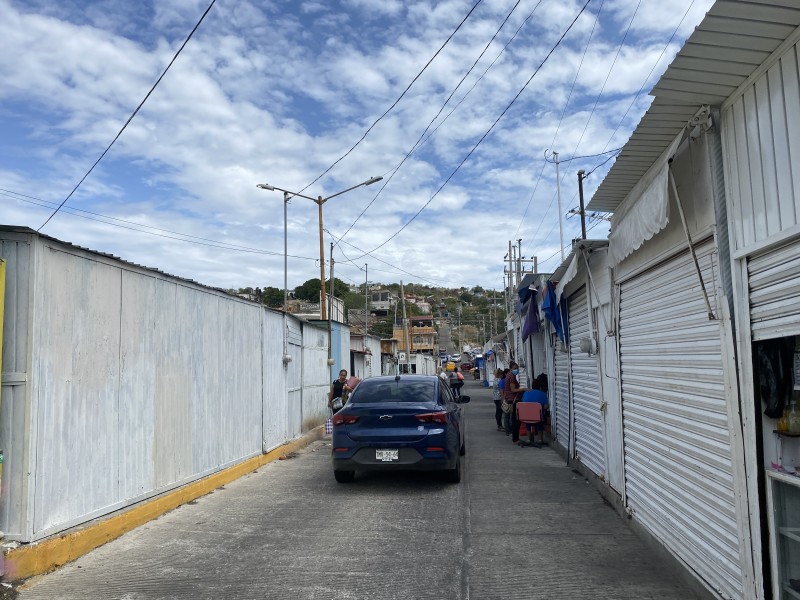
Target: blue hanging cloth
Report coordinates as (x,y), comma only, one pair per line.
(556,312)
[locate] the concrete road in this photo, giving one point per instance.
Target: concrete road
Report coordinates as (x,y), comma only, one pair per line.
(520,525)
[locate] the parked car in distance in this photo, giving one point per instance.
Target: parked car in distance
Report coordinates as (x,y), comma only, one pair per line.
(466,366)
(411,422)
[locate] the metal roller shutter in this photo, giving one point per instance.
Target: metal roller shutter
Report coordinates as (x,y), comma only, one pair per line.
(774,280)
(561,396)
(678,465)
(585,387)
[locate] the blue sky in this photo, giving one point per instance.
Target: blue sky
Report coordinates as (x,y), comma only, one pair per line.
(277,91)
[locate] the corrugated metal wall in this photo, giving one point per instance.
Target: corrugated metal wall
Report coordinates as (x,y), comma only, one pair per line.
(761,133)
(294,377)
(678,452)
(275,393)
(15,411)
(315,376)
(138,382)
(774,282)
(373,344)
(560,396)
(589,442)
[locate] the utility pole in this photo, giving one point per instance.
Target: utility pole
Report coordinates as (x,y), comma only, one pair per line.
(366,302)
(560,216)
(405,330)
(330,335)
(583,210)
(519,261)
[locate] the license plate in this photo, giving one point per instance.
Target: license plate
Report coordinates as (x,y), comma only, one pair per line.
(387,455)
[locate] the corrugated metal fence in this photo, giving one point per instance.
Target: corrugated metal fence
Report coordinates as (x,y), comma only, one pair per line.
(128,382)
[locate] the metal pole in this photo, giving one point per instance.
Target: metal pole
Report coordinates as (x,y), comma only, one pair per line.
(285,256)
(322,311)
(519,261)
(560,216)
(366,300)
(405,330)
(583,210)
(330,328)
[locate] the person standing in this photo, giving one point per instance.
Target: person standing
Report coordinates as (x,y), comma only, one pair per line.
(498,409)
(456,382)
(338,394)
(513,393)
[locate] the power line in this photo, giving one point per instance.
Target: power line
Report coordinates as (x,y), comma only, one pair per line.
(193,239)
(552,162)
(386,112)
(646,79)
(422,135)
(597,100)
(135,112)
(558,127)
(475,147)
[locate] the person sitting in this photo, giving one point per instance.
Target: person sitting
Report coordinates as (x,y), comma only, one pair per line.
(536,395)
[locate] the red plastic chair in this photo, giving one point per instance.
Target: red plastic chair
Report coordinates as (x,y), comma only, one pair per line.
(530,413)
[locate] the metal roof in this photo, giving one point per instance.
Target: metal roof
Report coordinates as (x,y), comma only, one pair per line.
(731,42)
(590,245)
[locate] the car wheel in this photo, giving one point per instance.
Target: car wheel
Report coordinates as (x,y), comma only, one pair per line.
(344,476)
(454,475)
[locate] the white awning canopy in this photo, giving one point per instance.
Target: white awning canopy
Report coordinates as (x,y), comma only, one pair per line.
(645,210)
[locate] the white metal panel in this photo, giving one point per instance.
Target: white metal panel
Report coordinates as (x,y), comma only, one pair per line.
(774,283)
(560,396)
(294,376)
(315,376)
(589,441)
(275,391)
(15,430)
(678,455)
(75,383)
(762,139)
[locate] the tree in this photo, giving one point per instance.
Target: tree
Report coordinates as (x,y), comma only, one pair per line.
(272,297)
(308,291)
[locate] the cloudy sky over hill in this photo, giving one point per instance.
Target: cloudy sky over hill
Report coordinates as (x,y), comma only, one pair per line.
(279,91)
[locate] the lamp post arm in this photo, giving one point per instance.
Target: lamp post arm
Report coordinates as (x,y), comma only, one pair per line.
(367,182)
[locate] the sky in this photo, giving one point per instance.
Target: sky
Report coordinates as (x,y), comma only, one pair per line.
(457,104)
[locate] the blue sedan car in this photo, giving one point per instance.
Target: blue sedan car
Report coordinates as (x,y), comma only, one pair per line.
(409,422)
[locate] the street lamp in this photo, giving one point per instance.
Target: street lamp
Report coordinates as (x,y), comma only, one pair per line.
(319,200)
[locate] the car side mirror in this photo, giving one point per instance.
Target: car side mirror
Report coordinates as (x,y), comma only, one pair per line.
(462,400)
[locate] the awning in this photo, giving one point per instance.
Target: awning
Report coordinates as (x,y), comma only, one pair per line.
(568,276)
(645,210)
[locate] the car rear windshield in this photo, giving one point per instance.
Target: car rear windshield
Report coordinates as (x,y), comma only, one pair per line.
(393,391)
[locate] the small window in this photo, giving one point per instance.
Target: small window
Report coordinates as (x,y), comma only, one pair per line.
(393,391)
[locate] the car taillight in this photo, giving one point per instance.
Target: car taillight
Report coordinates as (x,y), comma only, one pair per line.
(434,417)
(340,419)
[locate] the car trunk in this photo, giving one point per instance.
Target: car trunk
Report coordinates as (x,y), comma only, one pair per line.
(391,421)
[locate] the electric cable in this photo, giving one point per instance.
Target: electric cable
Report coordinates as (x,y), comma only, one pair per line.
(196,240)
(646,79)
(135,112)
(483,137)
(597,100)
(386,112)
(428,126)
(558,127)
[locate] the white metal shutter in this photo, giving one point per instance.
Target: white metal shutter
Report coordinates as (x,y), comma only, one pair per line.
(678,465)
(774,280)
(560,397)
(589,442)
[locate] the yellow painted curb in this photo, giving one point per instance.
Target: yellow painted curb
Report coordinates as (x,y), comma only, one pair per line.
(40,557)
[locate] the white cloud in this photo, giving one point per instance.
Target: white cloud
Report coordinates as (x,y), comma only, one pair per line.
(276,92)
